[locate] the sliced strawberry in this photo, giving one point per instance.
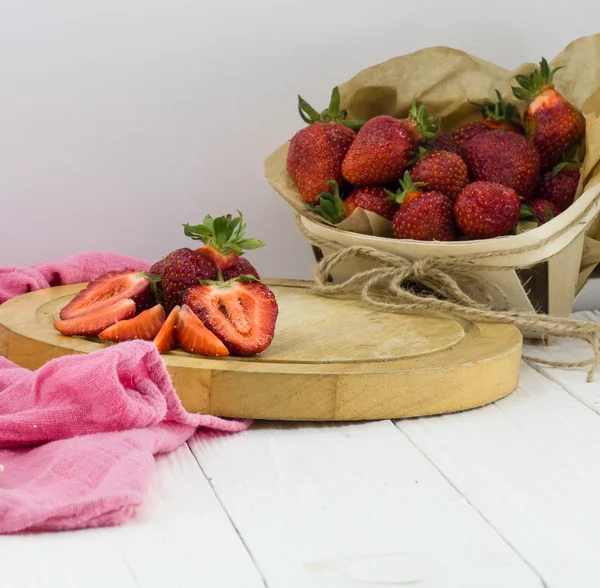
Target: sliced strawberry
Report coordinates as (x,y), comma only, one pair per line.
(194,337)
(242,314)
(109,288)
(165,339)
(96,321)
(145,325)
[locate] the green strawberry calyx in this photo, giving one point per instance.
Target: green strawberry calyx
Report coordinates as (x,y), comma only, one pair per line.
(500,111)
(224,234)
(527,213)
(154,280)
(330,206)
(426,126)
(220,282)
(407,186)
(565,165)
(332,114)
(536,82)
(421,152)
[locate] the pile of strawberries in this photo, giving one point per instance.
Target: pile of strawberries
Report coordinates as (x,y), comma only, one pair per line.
(476,183)
(208,301)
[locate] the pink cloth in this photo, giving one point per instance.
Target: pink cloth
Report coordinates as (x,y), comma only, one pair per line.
(79,435)
(81,267)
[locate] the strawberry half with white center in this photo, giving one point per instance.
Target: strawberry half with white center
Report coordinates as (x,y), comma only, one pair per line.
(223,239)
(242,313)
(109,288)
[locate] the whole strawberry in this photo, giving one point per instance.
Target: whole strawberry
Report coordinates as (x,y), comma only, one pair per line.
(503,157)
(316,152)
(551,122)
(423,216)
(382,148)
(241,267)
(375,199)
(560,184)
(441,171)
(484,210)
(542,210)
(180,270)
(441,142)
(224,244)
(495,115)
(371,198)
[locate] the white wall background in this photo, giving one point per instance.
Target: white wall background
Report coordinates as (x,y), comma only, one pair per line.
(122,119)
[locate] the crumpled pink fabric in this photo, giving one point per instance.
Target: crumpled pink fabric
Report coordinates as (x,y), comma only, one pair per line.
(80,267)
(79,435)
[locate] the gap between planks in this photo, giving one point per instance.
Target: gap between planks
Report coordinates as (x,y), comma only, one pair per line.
(344,505)
(529,464)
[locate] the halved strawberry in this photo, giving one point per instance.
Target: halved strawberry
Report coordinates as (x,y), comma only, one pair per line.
(241,313)
(145,325)
(109,288)
(194,337)
(165,339)
(223,239)
(97,320)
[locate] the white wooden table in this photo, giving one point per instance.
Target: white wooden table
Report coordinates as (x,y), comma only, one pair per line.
(507,496)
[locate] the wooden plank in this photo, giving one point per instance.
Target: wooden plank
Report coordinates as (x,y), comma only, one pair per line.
(573,380)
(530,465)
(352,505)
(180,537)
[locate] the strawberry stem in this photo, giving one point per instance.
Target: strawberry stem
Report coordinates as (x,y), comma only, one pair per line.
(331,205)
(333,113)
(224,234)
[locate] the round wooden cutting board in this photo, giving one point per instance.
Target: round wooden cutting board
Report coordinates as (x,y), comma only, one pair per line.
(331,359)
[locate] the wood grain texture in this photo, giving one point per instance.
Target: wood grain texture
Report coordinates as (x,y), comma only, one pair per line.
(180,537)
(331,359)
(352,505)
(530,465)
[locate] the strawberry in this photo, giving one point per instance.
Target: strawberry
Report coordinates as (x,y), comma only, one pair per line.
(542,210)
(441,142)
(241,267)
(375,199)
(165,338)
(194,337)
(382,149)
(371,198)
(424,216)
(98,319)
(560,184)
(484,210)
(241,312)
(551,122)
(223,239)
(316,152)
(407,191)
(503,157)
(440,171)
(495,115)
(179,270)
(108,289)
(145,325)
